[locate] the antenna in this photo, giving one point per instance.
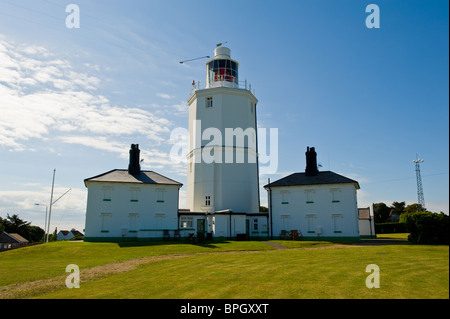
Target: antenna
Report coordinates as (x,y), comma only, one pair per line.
(420,198)
(203,57)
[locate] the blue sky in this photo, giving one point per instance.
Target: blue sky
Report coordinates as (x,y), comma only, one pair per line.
(369,100)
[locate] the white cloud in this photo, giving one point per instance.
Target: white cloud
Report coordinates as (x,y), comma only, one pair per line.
(67,212)
(43,97)
(164,95)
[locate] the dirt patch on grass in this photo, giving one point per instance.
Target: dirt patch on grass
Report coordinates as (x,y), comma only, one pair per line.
(40,287)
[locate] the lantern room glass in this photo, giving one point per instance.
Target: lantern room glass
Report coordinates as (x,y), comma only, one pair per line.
(222,70)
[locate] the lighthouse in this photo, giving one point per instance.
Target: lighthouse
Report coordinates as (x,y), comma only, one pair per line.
(222,156)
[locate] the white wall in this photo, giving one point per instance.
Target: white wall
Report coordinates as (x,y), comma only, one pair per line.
(315,210)
(230,185)
(114,211)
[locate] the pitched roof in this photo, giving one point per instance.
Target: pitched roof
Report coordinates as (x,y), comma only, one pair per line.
(122,176)
(12,238)
(300,179)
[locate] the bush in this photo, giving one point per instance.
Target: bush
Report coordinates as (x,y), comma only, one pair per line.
(426,227)
(389,228)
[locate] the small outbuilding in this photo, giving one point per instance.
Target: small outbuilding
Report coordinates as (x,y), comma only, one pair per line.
(11,241)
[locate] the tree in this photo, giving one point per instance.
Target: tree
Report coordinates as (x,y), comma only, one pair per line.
(2,228)
(14,224)
(414,208)
(381,212)
(398,207)
(36,234)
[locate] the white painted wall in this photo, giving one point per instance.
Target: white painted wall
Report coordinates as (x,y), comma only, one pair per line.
(316,210)
(230,185)
(113,210)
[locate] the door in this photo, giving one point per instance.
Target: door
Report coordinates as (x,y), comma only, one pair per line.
(201,226)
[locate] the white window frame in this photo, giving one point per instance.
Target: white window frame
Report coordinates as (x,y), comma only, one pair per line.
(311,223)
(337,223)
(106,222)
(335,198)
(209,102)
(133,220)
(187,222)
(107,190)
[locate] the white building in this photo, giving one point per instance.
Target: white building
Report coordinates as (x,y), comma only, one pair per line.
(130,205)
(68,235)
(319,205)
(222,179)
(366,222)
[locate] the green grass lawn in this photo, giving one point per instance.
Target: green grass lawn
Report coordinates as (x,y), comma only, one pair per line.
(394,236)
(236,270)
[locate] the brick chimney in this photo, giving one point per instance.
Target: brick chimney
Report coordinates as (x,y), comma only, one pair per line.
(311,162)
(134,168)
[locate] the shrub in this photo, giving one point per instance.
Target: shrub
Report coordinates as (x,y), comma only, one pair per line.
(426,227)
(389,228)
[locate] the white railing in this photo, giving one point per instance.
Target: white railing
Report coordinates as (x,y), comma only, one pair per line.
(243,85)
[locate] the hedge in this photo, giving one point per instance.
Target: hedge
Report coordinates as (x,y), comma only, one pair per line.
(427,227)
(389,228)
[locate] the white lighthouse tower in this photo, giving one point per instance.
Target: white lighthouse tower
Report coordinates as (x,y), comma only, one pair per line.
(222,159)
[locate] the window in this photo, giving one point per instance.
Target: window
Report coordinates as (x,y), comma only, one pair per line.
(310,221)
(132,217)
(106,220)
(337,222)
(285,222)
(209,102)
(335,198)
(107,193)
(309,196)
(284,197)
(222,70)
(187,222)
(207,200)
(134,194)
(255,224)
(159,221)
(160,195)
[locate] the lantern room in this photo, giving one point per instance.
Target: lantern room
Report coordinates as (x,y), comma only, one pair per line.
(222,70)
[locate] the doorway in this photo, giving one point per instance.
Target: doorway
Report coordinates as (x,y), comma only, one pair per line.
(201,226)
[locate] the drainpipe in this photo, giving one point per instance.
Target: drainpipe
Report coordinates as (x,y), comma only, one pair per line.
(270,210)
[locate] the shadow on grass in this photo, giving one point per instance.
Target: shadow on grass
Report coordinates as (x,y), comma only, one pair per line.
(206,244)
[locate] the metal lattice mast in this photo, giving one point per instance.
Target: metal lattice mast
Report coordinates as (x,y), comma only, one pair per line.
(420,198)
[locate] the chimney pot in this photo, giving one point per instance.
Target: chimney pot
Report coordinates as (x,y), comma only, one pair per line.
(134,168)
(311,162)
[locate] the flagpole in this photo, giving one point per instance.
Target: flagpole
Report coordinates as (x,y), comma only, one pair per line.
(50,210)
